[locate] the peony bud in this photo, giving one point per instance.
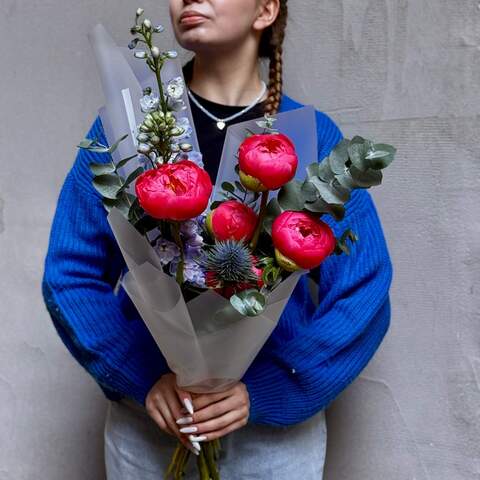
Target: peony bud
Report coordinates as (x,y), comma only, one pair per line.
(301,240)
(232,220)
(267,161)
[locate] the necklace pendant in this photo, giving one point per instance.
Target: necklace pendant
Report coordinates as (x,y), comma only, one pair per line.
(221,125)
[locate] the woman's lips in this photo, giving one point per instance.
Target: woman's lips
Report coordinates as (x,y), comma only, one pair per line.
(192,19)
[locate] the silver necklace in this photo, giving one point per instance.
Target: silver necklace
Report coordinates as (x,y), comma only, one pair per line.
(222,121)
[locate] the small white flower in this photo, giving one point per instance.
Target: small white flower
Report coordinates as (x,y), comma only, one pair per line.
(144,148)
(147,24)
(140,54)
(172,54)
(139,11)
(149,103)
(155,52)
(175,88)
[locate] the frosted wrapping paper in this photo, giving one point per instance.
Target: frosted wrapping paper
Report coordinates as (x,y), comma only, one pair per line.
(298,124)
(123,78)
(206,342)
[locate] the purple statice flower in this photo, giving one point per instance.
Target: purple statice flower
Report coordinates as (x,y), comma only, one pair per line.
(194,244)
(192,271)
(167,251)
(189,228)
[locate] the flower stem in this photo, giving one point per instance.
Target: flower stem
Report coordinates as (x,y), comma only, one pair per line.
(261,216)
(178,241)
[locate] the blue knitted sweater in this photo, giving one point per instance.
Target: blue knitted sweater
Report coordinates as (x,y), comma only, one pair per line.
(311,356)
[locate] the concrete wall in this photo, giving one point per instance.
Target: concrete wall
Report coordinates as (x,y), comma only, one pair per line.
(404,72)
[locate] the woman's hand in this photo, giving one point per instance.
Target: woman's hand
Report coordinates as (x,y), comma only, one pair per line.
(164,404)
(216,414)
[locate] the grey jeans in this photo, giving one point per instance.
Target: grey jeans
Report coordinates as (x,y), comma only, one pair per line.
(136,449)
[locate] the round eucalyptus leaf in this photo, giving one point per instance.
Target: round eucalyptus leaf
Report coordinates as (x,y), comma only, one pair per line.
(368,178)
(320,207)
(249,302)
(101,168)
(339,156)
(381,156)
(325,172)
(309,191)
(290,196)
(329,193)
(107,185)
(312,169)
(357,150)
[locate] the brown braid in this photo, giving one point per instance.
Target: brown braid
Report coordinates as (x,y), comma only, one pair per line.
(271,47)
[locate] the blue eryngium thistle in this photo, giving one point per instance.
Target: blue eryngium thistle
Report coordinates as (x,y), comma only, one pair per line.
(230,261)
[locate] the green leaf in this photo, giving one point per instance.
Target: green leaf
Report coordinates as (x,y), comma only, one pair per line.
(339,156)
(102,168)
(325,172)
(107,185)
(381,155)
(146,223)
(341,243)
(290,196)
(249,302)
(270,274)
(228,187)
(368,178)
(122,162)
(133,175)
(85,143)
(115,145)
(330,192)
(320,206)
(312,169)
(357,151)
(215,204)
(309,191)
(240,186)
(136,211)
(273,211)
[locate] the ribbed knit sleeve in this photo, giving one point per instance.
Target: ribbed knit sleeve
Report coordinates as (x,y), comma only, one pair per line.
(291,380)
(99,326)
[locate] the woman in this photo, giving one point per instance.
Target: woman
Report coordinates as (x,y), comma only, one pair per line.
(274,416)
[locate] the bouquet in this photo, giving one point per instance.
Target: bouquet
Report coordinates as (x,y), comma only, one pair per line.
(211,267)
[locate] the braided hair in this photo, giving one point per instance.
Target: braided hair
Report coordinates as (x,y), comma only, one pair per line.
(271,47)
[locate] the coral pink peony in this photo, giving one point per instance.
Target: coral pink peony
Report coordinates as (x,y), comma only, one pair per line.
(267,161)
(232,220)
(174,191)
(301,240)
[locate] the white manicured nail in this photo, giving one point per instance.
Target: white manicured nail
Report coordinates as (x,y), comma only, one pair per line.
(188,429)
(188,405)
(197,446)
(193,438)
(184,420)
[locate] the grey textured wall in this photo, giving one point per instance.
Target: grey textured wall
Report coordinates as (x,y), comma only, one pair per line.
(401,71)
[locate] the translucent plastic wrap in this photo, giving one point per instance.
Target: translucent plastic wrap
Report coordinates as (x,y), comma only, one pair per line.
(206,342)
